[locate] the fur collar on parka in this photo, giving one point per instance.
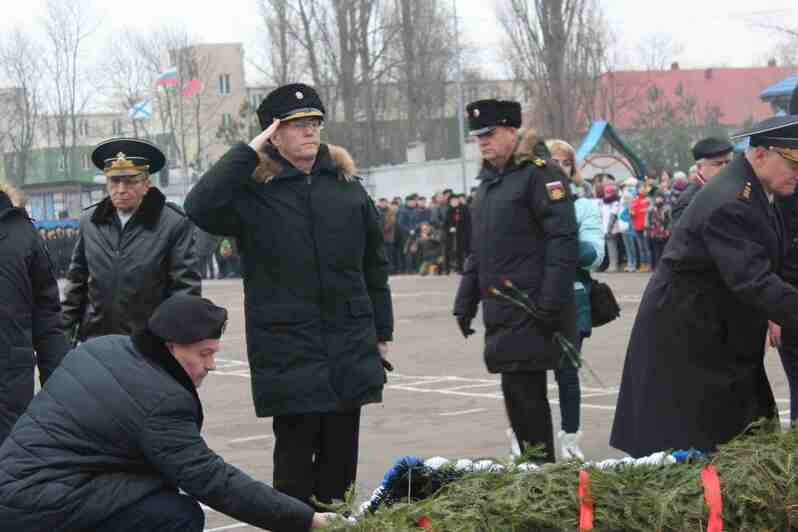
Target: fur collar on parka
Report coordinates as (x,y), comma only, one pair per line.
(148,212)
(528,147)
(273,164)
(16,197)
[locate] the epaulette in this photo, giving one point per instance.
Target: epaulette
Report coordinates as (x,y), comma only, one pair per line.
(745,193)
(540,163)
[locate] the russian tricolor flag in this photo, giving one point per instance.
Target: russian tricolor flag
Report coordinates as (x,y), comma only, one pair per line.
(168,77)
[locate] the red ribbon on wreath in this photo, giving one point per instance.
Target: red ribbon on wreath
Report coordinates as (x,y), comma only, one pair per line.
(711,481)
(424,522)
(586,502)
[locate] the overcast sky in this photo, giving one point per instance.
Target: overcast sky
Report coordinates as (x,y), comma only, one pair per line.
(710,32)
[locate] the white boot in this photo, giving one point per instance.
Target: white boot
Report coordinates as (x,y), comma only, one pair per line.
(569,445)
(515,449)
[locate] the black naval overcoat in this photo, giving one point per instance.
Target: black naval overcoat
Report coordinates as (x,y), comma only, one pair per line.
(316,294)
(685,198)
(694,374)
(523,228)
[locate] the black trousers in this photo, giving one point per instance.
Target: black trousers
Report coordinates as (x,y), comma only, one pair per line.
(527,405)
(165,511)
(16,393)
(316,454)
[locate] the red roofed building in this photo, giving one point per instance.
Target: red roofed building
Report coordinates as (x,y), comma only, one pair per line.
(734,92)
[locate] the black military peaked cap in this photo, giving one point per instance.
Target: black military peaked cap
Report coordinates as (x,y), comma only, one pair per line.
(486,115)
(779,132)
(185,319)
(711,147)
(124,156)
(288,102)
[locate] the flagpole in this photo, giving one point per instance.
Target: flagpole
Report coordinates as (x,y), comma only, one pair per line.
(460,119)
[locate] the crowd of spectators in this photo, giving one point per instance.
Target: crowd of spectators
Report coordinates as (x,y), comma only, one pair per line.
(428,238)
(636,214)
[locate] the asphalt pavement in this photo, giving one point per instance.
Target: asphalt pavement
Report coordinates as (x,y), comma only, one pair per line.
(439,401)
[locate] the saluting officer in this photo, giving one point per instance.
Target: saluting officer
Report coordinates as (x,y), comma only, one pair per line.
(711,156)
(317,300)
(694,374)
(524,229)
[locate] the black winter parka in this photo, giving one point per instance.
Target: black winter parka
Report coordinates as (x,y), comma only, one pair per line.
(118,421)
(316,290)
(524,230)
(30,314)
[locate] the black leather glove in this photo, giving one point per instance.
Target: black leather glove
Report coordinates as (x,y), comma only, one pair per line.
(464,322)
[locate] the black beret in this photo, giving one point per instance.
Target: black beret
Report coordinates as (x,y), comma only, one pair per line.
(486,115)
(711,147)
(141,153)
(185,319)
(295,100)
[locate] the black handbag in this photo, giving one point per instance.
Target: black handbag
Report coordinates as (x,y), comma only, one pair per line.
(604,307)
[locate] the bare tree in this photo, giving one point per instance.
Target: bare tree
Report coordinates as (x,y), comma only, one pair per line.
(68,26)
(279,22)
(424,57)
(658,51)
(549,43)
(132,83)
(21,65)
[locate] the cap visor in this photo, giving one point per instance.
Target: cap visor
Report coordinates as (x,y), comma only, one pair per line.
(481,131)
(766,126)
(302,113)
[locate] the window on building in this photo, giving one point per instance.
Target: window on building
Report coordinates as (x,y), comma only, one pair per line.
(85,161)
(116,127)
(58,202)
(224,84)
(473,94)
(227,120)
(61,165)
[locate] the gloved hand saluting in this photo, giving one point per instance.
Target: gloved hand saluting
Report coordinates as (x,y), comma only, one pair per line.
(464,322)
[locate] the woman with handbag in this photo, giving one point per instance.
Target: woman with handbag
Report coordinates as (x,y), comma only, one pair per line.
(591,255)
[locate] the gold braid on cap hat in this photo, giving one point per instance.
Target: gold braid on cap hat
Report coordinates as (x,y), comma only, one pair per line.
(788,153)
(122,166)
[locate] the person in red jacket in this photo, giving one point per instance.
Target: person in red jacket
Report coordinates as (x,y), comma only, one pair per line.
(639,212)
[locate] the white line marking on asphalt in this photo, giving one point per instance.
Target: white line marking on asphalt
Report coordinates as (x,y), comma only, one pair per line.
(227,527)
(428,381)
(394,295)
(252,438)
(480,385)
(463,412)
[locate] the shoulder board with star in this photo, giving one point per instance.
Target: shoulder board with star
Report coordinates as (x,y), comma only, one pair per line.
(745,193)
(540,163)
